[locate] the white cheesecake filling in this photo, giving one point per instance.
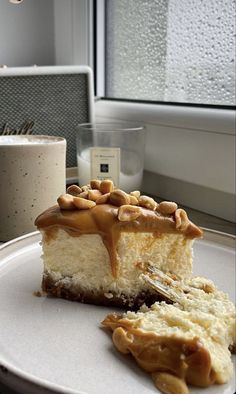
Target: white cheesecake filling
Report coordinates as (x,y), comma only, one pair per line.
(83,261)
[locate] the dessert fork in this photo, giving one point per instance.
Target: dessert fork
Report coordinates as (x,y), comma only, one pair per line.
(172,290)
(25,129)
(167,292)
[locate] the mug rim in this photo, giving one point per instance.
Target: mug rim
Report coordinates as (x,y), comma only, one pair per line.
(111,126)
(48,139)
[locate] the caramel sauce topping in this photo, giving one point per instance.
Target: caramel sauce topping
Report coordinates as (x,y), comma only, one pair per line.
(103,219)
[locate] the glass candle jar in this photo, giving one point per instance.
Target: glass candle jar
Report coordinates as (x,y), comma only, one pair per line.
(111,151)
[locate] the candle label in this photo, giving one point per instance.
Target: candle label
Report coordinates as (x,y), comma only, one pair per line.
(105,164)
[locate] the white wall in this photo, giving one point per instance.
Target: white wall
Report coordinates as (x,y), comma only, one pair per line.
(73,34)
(63,31)
(27,33)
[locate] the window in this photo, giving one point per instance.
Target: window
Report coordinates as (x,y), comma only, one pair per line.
(169,50)
(180,54)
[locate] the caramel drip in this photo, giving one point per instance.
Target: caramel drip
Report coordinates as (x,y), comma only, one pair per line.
(102,219)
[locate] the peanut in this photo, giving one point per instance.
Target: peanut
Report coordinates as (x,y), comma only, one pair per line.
(118,198)
(181,219)
(83,195)
(85,188)
(122,339)
(74,190)
(106,186)
(135,193)
(65,201)
(94,194)
(127,213)
(169,384)
(133,200)
(81,203)
(95,184)
(103,199)
(147,202)
(167,207)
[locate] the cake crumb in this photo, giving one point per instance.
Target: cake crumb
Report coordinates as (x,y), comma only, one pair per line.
(38,293)
(108,295)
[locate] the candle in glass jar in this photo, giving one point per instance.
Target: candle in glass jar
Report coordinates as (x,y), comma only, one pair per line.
(130,176)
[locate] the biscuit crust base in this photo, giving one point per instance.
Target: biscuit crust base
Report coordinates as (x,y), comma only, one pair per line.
(61,289)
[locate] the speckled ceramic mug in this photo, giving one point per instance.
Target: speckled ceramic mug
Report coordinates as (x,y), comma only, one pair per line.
(32,176)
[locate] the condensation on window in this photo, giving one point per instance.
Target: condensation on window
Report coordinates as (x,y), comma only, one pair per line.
(171,50)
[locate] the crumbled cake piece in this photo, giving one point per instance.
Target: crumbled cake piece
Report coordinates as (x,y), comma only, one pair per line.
(183,343)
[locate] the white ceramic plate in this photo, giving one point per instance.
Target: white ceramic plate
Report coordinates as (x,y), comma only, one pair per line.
(56,345)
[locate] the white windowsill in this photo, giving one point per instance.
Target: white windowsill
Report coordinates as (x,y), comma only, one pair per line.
(201,119)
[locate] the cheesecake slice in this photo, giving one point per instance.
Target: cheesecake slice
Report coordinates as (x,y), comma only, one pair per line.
(98,240)
(181,343)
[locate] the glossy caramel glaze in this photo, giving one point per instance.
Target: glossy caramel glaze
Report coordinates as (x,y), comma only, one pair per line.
(103,220)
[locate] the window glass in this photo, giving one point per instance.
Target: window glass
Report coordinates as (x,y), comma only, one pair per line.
(171,50)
